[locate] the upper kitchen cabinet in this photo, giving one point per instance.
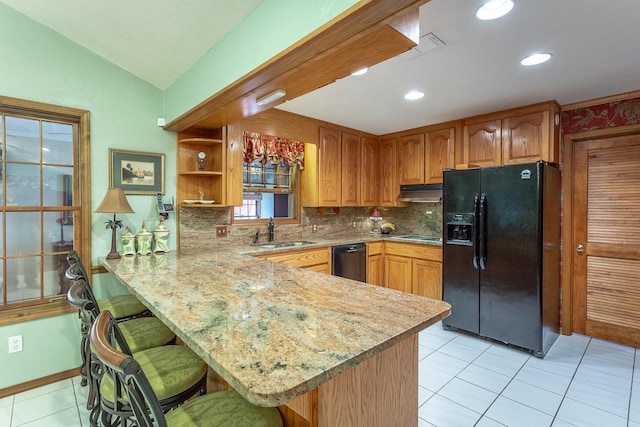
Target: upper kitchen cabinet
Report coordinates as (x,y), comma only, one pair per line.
(410,159)
(369,172)
(341,170)
(389,187)
(439,152)
(201,168)
(351,148)
(520,135)
(482,143)
(360,177)
(420,156)
(322,174)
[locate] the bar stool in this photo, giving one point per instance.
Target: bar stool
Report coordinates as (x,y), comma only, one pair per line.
(176,375)
(134,384)
(122,306)
(139,333)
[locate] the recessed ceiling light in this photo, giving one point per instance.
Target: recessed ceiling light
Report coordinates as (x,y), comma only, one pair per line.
(536,58)
(494,9)
(413,95)
(360,72)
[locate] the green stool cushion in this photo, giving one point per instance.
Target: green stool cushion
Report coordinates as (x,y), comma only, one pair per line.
(121,306)
(223,409)
(170,369)
(145,332)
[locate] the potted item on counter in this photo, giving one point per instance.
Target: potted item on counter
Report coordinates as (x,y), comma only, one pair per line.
(128,243)
(161,237)
(143,240)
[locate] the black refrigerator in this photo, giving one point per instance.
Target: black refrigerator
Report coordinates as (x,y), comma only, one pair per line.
(501,253)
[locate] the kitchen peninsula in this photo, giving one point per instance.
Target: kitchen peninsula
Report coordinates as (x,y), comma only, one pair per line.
(335,351)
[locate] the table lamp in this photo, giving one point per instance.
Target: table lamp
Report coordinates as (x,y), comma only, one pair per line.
(114,202)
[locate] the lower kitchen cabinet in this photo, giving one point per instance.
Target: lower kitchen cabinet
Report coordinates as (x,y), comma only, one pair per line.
(375,263)
(397,273)
(413,268)
(311,259)
(426,278)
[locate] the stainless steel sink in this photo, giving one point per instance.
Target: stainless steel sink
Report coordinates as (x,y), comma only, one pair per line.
(419,238)
(284,244)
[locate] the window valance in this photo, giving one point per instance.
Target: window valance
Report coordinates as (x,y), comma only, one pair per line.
(269,148)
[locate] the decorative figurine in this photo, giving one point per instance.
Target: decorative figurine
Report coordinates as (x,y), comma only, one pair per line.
(128,243)
(143,240)
(161,237)
(201,158)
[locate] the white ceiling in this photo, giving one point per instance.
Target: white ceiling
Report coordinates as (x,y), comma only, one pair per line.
(595,43)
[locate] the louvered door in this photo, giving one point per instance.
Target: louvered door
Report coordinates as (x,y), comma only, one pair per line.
(606,239)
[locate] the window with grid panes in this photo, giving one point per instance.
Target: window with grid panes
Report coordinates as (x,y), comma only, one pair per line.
(39,204)
(268,191)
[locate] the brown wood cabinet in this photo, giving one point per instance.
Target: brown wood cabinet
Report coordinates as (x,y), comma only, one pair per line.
(191,181)
(426,278)
(398,273)
(316,259)
(341,170)
(389,188)
(330,168)
(410,159)
(350,183)
(521,135)
(438,154)
(413,268)
(420,156)
(369,172)
(375,263)
(482,143)
(527,138)
(322,175)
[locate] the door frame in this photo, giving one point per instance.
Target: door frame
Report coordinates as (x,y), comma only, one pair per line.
(569,142)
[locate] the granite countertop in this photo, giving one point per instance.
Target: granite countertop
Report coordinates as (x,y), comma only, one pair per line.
(272,331)
(320,241)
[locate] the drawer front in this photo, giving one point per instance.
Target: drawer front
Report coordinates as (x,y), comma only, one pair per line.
(303,258)
(375,248)
(425,252)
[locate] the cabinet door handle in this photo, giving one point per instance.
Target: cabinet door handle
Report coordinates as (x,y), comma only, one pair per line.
(580,248)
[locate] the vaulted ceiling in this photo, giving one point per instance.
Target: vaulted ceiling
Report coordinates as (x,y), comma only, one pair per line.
(594,45)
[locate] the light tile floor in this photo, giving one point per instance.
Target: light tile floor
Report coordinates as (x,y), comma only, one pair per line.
(464,381)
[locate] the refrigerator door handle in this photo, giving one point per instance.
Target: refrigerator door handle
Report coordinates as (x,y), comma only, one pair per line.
(476,249)
(482,244)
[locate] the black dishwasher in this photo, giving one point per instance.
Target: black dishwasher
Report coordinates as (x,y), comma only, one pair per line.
(350,261)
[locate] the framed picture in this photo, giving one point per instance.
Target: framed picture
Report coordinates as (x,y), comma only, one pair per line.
(136,172)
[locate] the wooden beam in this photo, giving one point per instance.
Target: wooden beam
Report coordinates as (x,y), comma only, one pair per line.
(366,34)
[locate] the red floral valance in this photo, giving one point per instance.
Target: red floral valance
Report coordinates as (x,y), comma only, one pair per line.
(269,148)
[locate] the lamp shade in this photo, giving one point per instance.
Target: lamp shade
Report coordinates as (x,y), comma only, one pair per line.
(114,202)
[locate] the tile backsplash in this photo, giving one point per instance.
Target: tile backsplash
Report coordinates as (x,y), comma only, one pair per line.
(198,226)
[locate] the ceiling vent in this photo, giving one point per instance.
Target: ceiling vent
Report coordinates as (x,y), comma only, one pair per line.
(427,43)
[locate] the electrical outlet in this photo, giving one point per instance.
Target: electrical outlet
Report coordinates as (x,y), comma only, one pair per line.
(221,231)
(15,344)
(314,228)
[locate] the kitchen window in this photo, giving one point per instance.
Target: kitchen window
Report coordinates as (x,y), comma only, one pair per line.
(269,176)
(41,214)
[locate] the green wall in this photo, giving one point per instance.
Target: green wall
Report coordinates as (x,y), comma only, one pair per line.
(40,65)
(271,28)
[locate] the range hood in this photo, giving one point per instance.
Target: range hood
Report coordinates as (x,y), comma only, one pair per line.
(424,193)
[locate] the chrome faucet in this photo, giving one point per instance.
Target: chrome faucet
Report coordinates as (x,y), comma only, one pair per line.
(256,238)
(270,227)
